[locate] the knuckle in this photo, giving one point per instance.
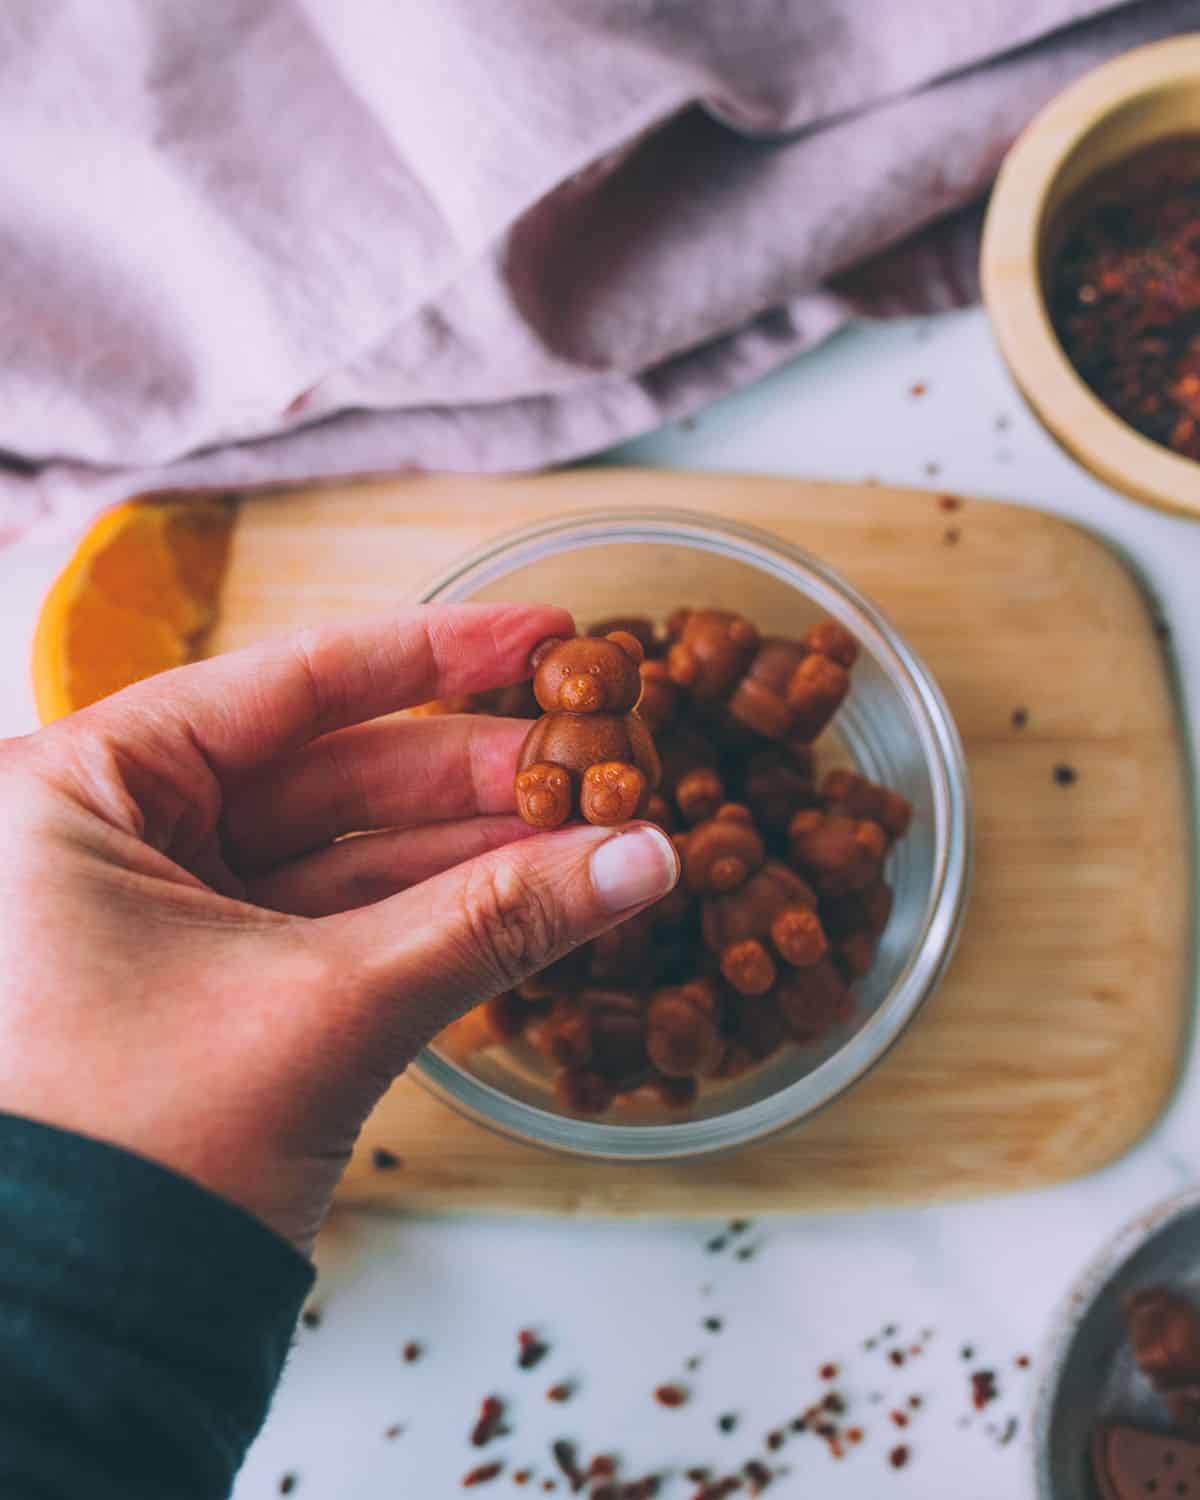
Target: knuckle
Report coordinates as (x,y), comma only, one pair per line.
(514,922)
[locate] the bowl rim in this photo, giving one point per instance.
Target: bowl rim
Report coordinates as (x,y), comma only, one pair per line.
(1073,1309)
(1012,285)
(954,846)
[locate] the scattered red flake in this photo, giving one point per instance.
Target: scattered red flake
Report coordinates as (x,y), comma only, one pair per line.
(828,1372)
(720,1489)
(670,1395)
(603,1466)
(898,1457)
(531,1350)
(521,1476)
(484,1474)
(287,1484)
(383,1160)
(491,1414)
(560,1392)
(983,1388)
(832,1438)
(916,1351)
(758,1474)
(549,1484)
(835,1403)
(393,1431)
(918,388)
(1022,1361)
(640,1489)
(896,1356)
(949,502)
(776,1440)
(915,1402)
(854,1434)
(412,1353)
(564,1457)
(899,1418)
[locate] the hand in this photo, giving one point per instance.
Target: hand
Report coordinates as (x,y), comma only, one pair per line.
(196,966)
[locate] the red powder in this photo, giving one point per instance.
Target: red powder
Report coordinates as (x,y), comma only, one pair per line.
(898,1457)
(828,1372)
(758,1474)
(484,1474)
(560,1392)
(564,1457)
(491,1412)
(412,1353)
(899,1418)
(531,1350)
(983,1388)
(670,1395)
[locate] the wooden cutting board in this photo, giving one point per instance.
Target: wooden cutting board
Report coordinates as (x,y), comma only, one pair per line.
(1054,1041)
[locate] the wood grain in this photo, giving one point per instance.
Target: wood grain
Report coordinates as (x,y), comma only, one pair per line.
(1053,1042)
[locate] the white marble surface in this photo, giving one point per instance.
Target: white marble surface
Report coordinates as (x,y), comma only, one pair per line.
(622,1304)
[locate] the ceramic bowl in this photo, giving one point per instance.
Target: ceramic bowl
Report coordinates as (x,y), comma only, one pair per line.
(1087,1372)
(1146,96)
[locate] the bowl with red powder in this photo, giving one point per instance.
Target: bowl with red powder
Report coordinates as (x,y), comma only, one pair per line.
(735,1008)
(1091,271)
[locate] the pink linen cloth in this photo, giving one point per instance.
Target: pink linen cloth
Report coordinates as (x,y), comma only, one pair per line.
(252,242)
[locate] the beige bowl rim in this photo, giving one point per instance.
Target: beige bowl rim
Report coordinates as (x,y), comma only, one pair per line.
(1012,284)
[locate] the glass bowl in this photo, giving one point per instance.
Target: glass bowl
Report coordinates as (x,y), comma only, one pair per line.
(894,727)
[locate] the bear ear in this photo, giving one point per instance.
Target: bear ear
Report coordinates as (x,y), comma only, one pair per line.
(734,812)
(543,649)
(630,644)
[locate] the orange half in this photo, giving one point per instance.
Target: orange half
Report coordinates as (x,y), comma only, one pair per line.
(137,597)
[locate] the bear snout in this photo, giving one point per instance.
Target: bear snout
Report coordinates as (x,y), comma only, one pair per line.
(581,694)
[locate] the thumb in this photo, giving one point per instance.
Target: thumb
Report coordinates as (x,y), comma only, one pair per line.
(423,957)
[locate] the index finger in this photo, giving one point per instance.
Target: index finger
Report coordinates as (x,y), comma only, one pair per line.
(248,707)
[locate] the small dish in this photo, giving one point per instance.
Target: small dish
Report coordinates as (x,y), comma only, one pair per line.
(895,727)
(1149,95)
(1088,1373)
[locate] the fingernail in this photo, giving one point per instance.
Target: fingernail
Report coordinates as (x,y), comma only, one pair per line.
(633,868)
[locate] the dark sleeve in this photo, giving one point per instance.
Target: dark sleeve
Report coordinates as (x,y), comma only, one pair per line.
(143,1324)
